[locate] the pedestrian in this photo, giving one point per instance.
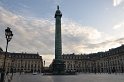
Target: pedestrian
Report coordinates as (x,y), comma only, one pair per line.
(9,80)
(7,73)
(9,77)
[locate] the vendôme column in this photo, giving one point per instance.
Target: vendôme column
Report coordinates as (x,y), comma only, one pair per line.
(58,42)
(58,64)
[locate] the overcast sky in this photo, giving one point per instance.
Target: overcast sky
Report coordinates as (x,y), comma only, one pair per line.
(88,26)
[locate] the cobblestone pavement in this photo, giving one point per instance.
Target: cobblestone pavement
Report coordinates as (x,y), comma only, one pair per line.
(68,78)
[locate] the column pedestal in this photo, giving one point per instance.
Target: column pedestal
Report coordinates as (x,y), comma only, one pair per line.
(58,67)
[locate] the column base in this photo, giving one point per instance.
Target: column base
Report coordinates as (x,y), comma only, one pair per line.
(58,67)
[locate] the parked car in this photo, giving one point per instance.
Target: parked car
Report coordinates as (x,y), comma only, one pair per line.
(34,73)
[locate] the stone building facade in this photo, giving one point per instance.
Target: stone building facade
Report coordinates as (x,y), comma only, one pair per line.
(111,61)
(22,62)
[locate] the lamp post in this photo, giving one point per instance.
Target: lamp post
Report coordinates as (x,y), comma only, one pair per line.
(44,66)
(8,34)
(44,63)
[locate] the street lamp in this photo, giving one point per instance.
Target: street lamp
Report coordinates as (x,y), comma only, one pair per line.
(44,66)
(44,63)
(8,34)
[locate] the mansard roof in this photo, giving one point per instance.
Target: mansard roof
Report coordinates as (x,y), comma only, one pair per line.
(22,55)
(25,55)
(114,51)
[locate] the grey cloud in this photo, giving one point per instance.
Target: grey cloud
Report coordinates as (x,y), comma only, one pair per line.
(103,46)
(29,35)
(37,35)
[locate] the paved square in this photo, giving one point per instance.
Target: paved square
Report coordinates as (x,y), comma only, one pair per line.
(69,78)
